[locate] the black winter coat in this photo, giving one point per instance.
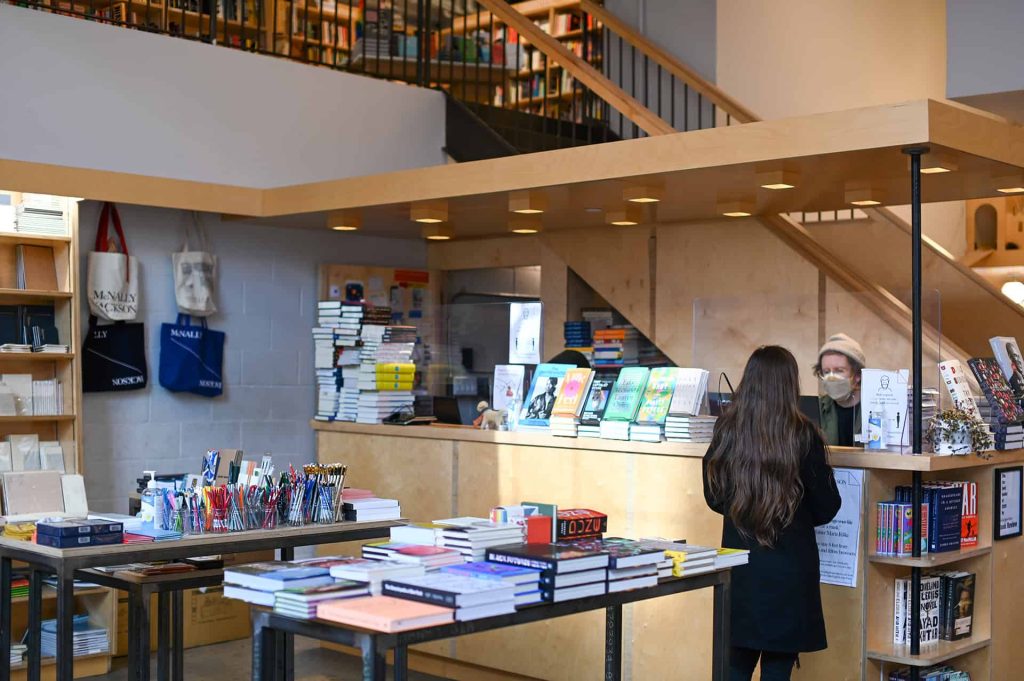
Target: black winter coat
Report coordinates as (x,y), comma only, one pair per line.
(776,598)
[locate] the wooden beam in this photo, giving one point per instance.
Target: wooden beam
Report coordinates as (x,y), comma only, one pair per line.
(668,62)
(580,69)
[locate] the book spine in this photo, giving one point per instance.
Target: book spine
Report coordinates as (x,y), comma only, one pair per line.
(907,530)
(420,594)
(520,561)
(946,608)
(579,527)
(897,612)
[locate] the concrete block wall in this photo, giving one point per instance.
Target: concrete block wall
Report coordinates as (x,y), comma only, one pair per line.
(266,300)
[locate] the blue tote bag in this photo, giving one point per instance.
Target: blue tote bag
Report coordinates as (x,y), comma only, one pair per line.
(191,358)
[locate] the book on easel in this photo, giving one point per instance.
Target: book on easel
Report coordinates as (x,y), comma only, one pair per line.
(37,270)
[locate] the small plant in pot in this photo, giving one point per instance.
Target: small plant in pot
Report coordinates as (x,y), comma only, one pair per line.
(953,431)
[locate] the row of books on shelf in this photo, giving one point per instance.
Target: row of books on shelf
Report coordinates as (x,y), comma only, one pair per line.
(948,517)
(947,607)
(467,568)
(35,215)
(937,672)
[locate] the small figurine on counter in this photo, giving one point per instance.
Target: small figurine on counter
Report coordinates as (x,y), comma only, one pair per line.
(489,419)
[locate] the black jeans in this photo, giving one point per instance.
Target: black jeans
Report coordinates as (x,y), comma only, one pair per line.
(774,666)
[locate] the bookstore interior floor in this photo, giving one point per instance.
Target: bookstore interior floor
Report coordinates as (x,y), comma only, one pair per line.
(312,663)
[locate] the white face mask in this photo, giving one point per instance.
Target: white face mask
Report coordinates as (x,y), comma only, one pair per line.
(839,388)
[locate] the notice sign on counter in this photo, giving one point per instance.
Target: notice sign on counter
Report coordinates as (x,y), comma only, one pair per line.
(839,541)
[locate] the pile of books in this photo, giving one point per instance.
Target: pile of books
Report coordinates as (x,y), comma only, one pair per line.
(937,672)
(616,346)
(525,580)
(578,337)
(469,597)
(302,602)
(565,416)
(257,583)
(386,371)
(1005,435)
(471,536)
(730,558)
(360,507)
(337,330)
(687,560)
(18,651)
(385,613)
(430,557)
(374,572)
(631,564)
(654,405)
(689,428)
(87,639)
(76,533)
(949,594)
(42,214)
(567,572)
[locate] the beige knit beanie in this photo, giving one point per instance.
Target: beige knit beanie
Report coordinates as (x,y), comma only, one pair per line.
(844,345)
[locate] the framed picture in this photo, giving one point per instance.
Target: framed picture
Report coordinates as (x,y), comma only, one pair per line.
(1008,502)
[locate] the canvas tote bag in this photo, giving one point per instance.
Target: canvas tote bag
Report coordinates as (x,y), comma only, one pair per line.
(195,274)
(114,357)
(191,358)
(113,277)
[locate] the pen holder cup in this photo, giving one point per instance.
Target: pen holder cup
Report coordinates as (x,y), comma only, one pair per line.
(269,520)
(218,520)
(173,519)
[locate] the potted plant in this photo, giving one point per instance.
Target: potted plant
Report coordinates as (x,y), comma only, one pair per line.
(953,431)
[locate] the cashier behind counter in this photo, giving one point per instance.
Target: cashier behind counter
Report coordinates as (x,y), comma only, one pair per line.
(840,361)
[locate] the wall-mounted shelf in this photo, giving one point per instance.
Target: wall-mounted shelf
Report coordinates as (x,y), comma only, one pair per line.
(931,560)
(933,653)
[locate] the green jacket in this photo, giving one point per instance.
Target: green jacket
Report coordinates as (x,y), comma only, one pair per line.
(830,419)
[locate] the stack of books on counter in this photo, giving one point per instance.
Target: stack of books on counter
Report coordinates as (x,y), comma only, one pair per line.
(471,536)
(690,428)
(631,564)
(257,583)
(337,330)
(385,613)
(687,559)
(374,572)
(596,403)
(616,346)
(18,651)
(565,416)
(730,558)
(371,508)
(684,424)
(387,376)
(470,598)
(567,572)
(525,580)
(578,337)
(87,639)
(1005,436)
(430,557)
(624,402)
(302,602)
(653,410)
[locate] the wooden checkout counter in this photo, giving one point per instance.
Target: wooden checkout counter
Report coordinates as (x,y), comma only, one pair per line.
(655,490)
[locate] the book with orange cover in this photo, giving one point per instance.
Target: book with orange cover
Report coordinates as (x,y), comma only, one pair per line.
(384,613)
(574,389)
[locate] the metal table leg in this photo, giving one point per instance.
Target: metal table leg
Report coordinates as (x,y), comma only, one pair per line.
(613,643)
(401,671)
(141,633)
(5,617)
(65,625)
(720,631)
(178,631)
(133,639)
(286,661)
(374,663)
(35,616)
(163,640)
(263,649)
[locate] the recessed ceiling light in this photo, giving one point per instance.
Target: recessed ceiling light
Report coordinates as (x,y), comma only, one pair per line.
(737,208)
(1011,190)
(643,193)
(527,202)
(860,194)
(625,217)
(525,224)
(344,220)
(1009,184)
(935,162)
(437,232)
(778,179)
(429,212)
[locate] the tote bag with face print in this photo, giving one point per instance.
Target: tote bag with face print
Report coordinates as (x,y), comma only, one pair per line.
(195,274)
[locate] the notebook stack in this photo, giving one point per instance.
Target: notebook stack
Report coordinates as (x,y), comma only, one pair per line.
(19,585)
(1004,435)
(384,613)
(74,533)
(616,346)
(690,428)
(525,580)
(371,508)
(471,537)
(257,583)
(565,416)
(41,214)
(302,602)
(337,330)
(631,564)
(471,598)
(87,639)
(687,559)
(374,572)
(567,572)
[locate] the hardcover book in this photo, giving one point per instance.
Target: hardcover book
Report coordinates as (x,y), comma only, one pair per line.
(573,392)
(657,396)
(969,515)
(1011,363)
(509,574)
(622,553)
(543,391)
(626,395)
(508,386)
(574,523)
(597,397)
(383,613)
(955,377)
(448,590)
(551,557)
(1000,398)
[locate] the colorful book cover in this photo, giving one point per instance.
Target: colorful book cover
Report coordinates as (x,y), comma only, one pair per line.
(580,522)
(626,395)
(597,397)
(573,391)
(508,386)
(622,553)
(496,571)
(1000,398)
(554,557)
(543,391)
(657,396)
(384,613)
(955,377)
(969,515)
(1011,363)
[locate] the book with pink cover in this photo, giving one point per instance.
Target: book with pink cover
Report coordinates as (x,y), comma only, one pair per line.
(575,387)
(384,613)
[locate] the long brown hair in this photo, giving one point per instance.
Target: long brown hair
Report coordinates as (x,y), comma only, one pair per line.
(760,442)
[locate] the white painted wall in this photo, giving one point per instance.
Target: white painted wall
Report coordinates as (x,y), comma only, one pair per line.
(266,300)
(985,48)
(83,94)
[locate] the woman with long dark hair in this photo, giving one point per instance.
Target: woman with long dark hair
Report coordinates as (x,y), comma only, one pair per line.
(766,472)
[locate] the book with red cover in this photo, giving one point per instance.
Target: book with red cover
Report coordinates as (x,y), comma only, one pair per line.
(384,613)
(538,529)
(577,523)
(969,516)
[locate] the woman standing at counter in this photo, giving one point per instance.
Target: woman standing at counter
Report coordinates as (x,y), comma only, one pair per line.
(766,472)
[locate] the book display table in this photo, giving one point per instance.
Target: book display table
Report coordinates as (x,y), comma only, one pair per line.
(270,629)
(67,564)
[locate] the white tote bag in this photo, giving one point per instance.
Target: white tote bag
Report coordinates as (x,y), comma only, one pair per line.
(113,275)
(195,274)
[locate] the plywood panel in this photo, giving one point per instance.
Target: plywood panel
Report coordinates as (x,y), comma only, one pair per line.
(554,289)
(615,262)
(715,260)
(569,648)
(511,251)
